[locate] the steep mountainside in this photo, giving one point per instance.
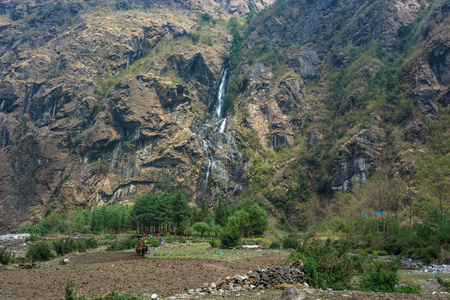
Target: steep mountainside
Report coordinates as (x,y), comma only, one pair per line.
(105,100)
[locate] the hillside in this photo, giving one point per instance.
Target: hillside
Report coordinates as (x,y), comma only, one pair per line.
(104,100)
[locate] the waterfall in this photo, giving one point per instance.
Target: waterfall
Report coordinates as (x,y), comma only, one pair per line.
(205,185)
(221,122)
(220,94)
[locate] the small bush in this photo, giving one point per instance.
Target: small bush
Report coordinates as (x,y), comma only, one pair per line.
(408,289)
(214,243)
(68,245)
(170,239)
(381,277)
(6,257)
(292,242)
(445,284)
(39,252)
(110,237)
(128,243)
(91,243)
(326,265)
(33,238)
(153,242)
(181,240)
(275,245)
(229,239)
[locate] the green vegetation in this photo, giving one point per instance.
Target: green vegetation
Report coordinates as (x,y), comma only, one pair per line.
(445,284)
(382,276)
(104,219)
(68,245)
(39,252)
(153,213)
(130,242)
(6,257)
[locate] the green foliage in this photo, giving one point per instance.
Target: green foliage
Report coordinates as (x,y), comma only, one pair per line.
(445,284)
(69,293)
(64,246)
(201,227)
(381,277)
(153,213)
(39,252)
(125,244)
(6,257)
(229,239)
(194,36)
(205,17)
(249,219)
(153,242)
(326,265)
(100,166)
(223,212)
(292,241)
(275,245)
(214,243)
(68,245)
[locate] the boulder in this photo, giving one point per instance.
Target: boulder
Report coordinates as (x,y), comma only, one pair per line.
(292,294)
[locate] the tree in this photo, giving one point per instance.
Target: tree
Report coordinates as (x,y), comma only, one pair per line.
(201,227)
(223,212)
(249,219)
(179,210)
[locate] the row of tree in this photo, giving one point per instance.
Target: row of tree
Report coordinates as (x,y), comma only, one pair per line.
(158,213)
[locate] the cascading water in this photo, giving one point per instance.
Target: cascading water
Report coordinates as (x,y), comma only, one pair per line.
(220,94)
(219,147)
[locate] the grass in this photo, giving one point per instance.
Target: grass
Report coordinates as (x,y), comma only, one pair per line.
(201,250)
(427,282)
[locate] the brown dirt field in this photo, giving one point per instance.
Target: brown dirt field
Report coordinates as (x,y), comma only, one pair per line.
(100,272)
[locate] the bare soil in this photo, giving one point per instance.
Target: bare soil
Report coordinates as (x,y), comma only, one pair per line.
(100,272)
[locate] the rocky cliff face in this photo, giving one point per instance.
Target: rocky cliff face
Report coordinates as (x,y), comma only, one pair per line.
(103,100)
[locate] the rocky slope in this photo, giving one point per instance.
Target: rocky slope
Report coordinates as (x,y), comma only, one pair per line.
(104,100)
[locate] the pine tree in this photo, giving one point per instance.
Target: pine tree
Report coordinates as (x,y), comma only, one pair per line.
(223,211)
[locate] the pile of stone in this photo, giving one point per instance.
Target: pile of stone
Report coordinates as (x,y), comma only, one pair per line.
(436,269)
(261,278)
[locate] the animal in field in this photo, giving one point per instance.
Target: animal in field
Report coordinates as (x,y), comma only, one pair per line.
(141,250)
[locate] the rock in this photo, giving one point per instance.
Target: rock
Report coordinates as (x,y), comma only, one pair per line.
(2,267)
(64,261)
(358,156)
(154,297)
(292,294)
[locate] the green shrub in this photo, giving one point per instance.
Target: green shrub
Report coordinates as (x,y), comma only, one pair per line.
(153,242)
(91,243)
(214,243)
(381,277)
(445,284)
(408,289)
(33,238)
(229,238)
(326,265)
(64,246)
(39,252)
(170,239)
(6,257)
(292,242)
(275,245)
(128,243)
(181,240)
(110,237)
